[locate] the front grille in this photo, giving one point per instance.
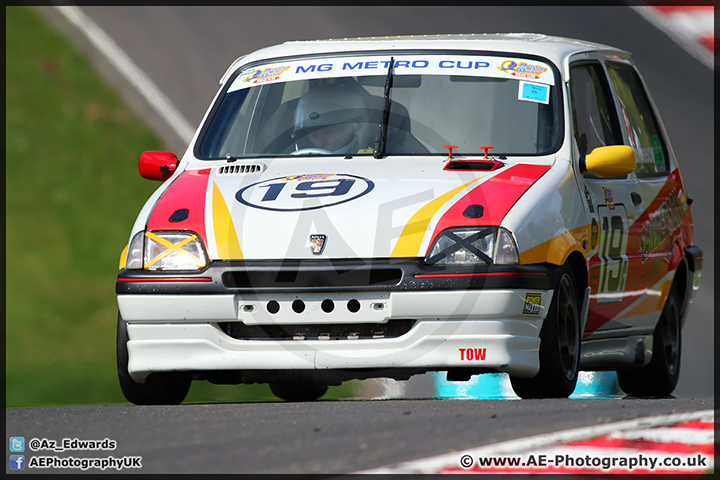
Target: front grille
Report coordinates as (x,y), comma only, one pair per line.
(339,331)
(311,277)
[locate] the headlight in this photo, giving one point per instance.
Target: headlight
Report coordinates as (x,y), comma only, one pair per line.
(477,245)
(166,251)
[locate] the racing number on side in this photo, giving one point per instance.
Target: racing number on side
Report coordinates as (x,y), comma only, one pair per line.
(613,259)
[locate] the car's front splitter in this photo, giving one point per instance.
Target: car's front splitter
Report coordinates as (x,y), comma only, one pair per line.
(486,345)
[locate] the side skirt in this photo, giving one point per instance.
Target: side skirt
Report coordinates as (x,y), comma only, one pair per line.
(616,353)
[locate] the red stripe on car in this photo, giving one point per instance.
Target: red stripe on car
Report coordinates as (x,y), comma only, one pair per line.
(497,195)
(187,191)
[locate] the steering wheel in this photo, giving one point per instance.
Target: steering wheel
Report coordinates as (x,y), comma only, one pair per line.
(311,151)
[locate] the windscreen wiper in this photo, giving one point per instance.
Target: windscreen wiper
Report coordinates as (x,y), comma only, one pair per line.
(381,137)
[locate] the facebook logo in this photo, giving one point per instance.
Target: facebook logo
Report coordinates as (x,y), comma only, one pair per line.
(17,462)
(17,444)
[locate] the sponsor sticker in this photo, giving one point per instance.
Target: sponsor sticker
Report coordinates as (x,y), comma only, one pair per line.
(522,69)
(608,197)
(532,303)
(261,75)
(660,225)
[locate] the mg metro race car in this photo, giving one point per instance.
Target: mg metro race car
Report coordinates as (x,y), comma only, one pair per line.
(384,207)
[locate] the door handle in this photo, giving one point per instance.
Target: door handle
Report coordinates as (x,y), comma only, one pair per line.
(636,199)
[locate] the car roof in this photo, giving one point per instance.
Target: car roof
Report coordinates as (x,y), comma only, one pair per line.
(556,49)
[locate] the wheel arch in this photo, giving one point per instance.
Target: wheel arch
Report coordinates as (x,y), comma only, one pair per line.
(578,264)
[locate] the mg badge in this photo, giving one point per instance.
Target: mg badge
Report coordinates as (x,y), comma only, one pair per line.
(317,243)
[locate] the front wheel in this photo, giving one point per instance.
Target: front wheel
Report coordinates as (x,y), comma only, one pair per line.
(658,378)
(166,388)
(559,346)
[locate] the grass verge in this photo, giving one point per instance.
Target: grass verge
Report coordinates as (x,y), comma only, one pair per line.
(72,194)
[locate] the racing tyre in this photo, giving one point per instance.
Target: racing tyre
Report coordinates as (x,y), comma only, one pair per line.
(298,391)
(659,377)
(559,346)
(168,388)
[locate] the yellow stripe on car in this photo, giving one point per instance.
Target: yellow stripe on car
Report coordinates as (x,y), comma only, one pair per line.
(412,235)
(123,257)
(557,249)
(226,239)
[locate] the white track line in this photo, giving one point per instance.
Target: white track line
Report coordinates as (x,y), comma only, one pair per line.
(683,36)
(132,73)
(436,464)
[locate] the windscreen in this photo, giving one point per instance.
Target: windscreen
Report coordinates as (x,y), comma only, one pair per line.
(346,105)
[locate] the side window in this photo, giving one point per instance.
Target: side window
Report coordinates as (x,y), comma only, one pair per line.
(594,121)
(640,123)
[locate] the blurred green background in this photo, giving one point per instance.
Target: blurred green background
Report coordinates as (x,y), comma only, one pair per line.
(72,194)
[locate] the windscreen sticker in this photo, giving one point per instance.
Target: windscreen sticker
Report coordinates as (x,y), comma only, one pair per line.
(522,69)
(534,92)
(459,65)
(262,75)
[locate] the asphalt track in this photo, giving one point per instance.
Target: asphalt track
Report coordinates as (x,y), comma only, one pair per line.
(185,50)
(320,437)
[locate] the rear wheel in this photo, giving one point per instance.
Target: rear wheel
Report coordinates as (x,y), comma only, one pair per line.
(559,346)
(298,391)
(167,388)
(659,377)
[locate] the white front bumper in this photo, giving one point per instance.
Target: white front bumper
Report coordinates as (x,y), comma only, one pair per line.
(180,332)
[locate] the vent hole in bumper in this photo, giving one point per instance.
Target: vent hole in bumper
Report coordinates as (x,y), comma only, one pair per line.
(298,306)
(327,305)
(353,306)
(273,306)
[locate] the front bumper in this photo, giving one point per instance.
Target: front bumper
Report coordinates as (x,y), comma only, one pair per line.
(479,319)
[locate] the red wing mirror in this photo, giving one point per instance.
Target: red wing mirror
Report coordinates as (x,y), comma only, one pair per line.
(156,165)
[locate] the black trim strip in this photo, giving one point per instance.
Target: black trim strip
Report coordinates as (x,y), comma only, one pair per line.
(294,276)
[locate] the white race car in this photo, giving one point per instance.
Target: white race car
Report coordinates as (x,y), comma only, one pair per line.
(384,207)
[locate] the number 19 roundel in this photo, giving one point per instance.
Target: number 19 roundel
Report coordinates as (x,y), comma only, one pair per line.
(304,192)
